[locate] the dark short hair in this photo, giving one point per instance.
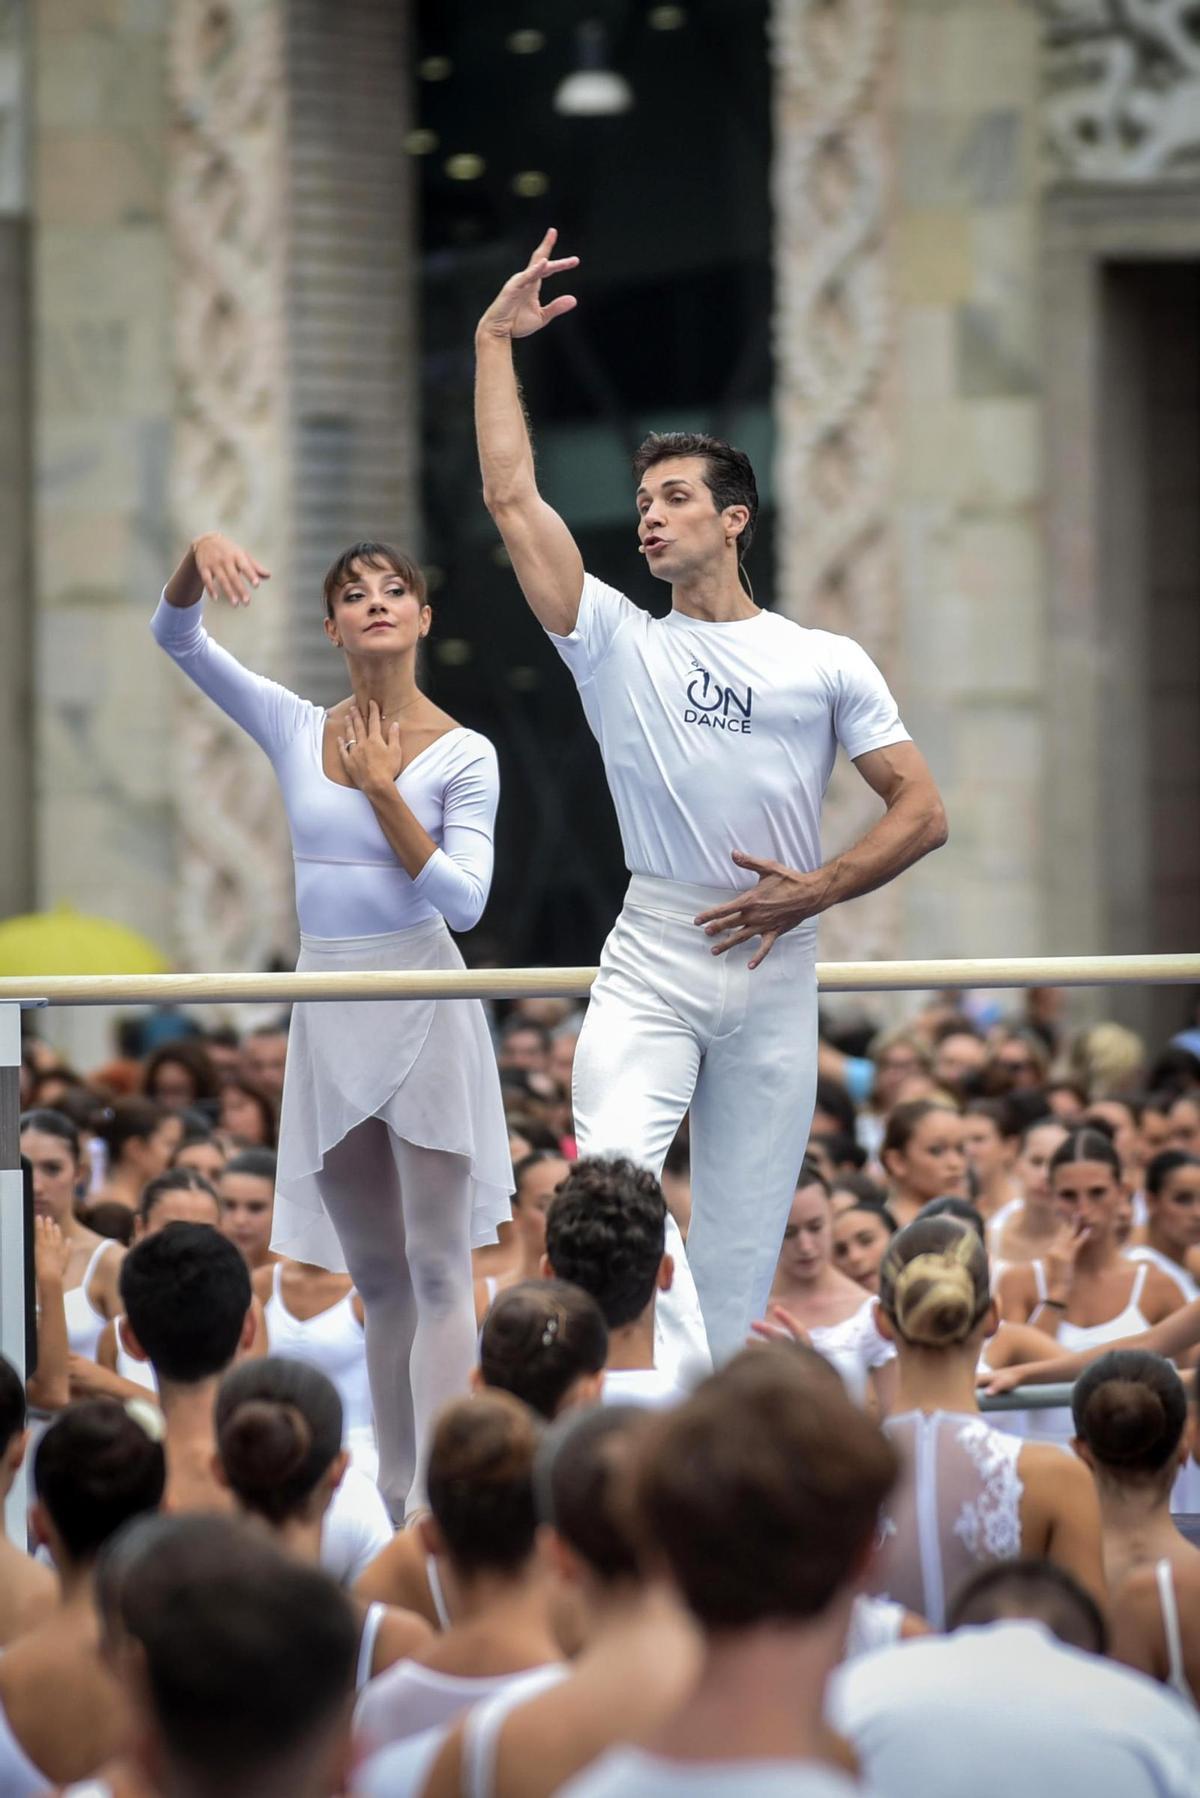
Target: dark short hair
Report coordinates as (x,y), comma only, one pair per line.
(480,1481)
(728,474)
(249,1655)
(1038,1590)
(373,555)
(12,1403)
(534,1159)
(259,1164)
(1089,1143)
(186,1292)
(94,1469)
(1164,1164)
(538,1339)
(581,1482)
(279,1428)
(128,1120)
(761,1492)
(606,1231)
(189,1053)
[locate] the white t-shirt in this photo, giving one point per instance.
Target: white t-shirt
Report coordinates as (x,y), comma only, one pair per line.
(1007,1711)
(629,1773)
(718,737)
(653,1387)
(356,1528)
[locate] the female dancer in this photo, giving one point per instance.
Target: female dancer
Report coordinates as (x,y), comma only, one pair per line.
(1130,1415)
(537,1177)
(483,1533)
(832,1310)
(861,1234)
(393,1150)
(1087,1292)
(315,1316)
(1027,1228)
(923,1156)
(1171,1239)
(50,1142)
(279,1450)
(141,1139)
(969,1493)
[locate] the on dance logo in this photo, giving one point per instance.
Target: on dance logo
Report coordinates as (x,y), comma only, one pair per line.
(721,708)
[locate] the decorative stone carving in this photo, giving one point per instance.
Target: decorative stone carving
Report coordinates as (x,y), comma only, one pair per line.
(833,322)
(227,202)
(1122,89)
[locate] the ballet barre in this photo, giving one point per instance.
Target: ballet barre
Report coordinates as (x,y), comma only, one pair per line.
(572,983)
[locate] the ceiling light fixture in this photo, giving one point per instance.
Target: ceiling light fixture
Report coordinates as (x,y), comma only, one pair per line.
(666,18)
(435,68)
(530,184)
(420,142)
(466,166)
(593,90)
(526,42)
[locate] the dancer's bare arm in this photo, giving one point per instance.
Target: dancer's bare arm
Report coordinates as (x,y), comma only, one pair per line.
(544,555)
(218,566)
(913,824)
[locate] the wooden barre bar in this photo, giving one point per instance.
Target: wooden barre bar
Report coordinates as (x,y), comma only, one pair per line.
(516,983)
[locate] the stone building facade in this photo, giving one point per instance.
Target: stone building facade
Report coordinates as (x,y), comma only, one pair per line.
(986,252)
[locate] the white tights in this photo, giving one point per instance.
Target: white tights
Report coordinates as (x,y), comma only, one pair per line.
(403,1218)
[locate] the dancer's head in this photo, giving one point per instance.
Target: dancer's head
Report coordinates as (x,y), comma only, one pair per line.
(759,1496)
(697,503)
(376,604)
(1032,1166)
(142,1137)
(50,1143)
(1086,1183)
(480,1484)
(582,1478)
(1131,1421)
(240,1661)
(1173,1198)
(861,1235)
(187,1298)
(606,1231)
(1030,1591)
(923,1150)
(807,1248)
(99,1464)
(279,1438)
(247,1193)
(180,1196)
(546,1342)
(933,1288)
(537,1177)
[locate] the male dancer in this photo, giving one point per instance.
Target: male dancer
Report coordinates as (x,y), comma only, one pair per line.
(718,725)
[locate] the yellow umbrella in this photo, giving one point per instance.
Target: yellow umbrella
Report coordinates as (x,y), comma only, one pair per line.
(65,941)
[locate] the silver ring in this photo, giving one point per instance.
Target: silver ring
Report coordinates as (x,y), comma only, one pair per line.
(350,742)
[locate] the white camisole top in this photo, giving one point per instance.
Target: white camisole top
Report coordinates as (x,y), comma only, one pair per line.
(348,880)
(333,1340)
(85,1324)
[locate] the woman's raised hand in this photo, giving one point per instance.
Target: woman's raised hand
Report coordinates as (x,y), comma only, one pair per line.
(227,571)
(779,1325)
(51,1252)
(517,310)
(371,759)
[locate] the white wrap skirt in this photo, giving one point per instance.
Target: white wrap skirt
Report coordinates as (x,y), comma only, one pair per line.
(425,1066)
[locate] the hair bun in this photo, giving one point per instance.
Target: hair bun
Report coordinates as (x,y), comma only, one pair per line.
(1125,1421)
(263,1444)
(935,1299)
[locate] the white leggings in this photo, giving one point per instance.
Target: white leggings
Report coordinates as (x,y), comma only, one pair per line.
(403,1218)
(670,1025)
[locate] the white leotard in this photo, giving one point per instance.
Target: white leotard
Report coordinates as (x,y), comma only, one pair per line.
(1172,1269)
(855,1348)
(349,882)
(85,1324)
(139,1373)
(332,1340)
(356,1528)
(652,1387)
(408,1698)
(1177,1677)
(366,1644)
(1128,1322)
(19,1778)
(957,1506)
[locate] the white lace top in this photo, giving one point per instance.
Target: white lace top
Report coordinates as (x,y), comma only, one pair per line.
(957,1504)
(855,1347)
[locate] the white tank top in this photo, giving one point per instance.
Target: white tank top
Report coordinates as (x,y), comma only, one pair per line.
(855,1348)
(84,1323)
(334,1341)
(1176,1674)
(957,1507)
(483,1724)
(19,1778)
(366,1644)
(1172,1269)
(1128,1322)
(408,1698)
(140,1373)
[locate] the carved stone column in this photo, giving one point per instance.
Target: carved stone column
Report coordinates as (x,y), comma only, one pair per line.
(227,209)
(833,340)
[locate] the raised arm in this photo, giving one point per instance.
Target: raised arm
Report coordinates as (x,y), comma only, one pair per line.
(216,565)
(544,555)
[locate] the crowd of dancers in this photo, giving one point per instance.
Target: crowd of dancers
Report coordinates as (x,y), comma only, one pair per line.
(435,1402)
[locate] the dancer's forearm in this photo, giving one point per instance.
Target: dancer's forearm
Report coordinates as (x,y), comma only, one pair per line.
(501,428)
(913,825)
(185,586)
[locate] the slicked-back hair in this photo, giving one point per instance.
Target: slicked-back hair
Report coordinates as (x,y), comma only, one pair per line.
(728,474)
(372,555)
(606,1231)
